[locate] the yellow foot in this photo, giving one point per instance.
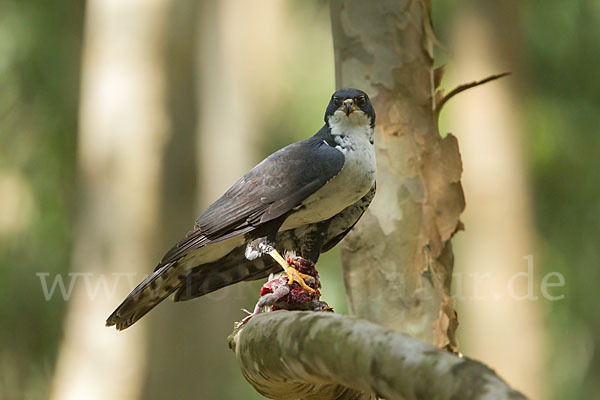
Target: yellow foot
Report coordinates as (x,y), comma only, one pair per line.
(295,276)
(292,273)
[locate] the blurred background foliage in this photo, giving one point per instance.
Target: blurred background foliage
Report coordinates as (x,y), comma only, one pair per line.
(40,51)
(556,58)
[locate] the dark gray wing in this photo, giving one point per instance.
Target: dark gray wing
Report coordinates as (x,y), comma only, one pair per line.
(234,267)
(270,190)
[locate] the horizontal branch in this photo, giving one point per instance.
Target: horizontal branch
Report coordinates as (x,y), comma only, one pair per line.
(321,355)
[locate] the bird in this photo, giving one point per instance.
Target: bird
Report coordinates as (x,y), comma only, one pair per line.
(305,197)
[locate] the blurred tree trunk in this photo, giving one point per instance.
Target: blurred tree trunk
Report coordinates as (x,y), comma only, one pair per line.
(123,128)
(172,346)
(398,260)
(500,232)
(215,80)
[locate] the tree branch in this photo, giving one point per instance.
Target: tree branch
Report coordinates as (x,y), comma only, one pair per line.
(319,355)
(465,86)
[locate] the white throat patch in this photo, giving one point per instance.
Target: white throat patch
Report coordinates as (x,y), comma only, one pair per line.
(352,130)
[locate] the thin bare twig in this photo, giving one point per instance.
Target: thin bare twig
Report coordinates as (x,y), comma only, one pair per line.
(466,86)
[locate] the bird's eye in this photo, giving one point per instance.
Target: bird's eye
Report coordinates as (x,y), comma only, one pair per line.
(337,101)
(361,101)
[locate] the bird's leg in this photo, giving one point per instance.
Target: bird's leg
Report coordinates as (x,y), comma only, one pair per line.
(292,273)
(262,245)
(313,241)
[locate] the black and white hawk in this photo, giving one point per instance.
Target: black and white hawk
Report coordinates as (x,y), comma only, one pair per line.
(304,198)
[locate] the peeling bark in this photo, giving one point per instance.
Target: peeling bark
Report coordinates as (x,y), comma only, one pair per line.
(313,355)
(398,260)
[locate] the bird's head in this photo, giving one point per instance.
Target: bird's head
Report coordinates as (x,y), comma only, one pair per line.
(350,106)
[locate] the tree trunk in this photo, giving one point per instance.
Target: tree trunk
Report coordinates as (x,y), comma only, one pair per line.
(122,134)
(174,328)
(500,232)
(398,260)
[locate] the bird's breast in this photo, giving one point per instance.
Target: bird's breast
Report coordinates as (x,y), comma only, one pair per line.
(346,188)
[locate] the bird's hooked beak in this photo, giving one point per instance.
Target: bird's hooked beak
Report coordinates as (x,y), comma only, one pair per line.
(348,106)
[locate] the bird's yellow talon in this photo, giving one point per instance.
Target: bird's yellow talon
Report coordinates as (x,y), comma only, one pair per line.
(293,274)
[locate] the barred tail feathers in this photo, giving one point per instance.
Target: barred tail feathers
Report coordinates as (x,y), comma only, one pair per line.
(154,289)
(231,269)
